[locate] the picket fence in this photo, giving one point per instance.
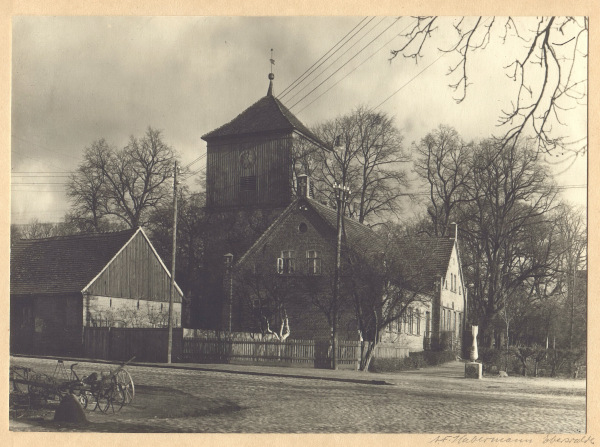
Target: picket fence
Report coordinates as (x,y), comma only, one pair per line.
(291,352)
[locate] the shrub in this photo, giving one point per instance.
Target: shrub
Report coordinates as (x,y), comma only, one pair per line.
(534,361)
(569,362)
(433,358)
(415,360)
(492,357)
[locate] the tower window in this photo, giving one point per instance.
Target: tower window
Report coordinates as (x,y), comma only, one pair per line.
(248,183)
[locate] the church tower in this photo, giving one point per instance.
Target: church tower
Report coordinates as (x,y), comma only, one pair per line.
(249,182)
(249,159)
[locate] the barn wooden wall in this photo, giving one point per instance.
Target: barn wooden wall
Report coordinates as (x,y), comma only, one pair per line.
(135,273)
(272,169)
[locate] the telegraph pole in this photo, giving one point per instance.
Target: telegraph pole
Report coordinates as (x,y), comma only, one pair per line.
(341,194)
(172,294)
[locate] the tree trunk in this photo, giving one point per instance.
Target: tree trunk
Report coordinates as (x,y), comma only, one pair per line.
(366,361)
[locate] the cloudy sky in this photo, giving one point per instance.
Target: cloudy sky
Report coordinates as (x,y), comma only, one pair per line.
(78,79)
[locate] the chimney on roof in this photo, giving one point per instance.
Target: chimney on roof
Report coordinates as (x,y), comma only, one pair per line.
(303,186)
(455,230)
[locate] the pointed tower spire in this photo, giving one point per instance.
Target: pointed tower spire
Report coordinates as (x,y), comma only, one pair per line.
(271,75)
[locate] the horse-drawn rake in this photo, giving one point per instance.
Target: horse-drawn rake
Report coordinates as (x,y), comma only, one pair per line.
(105,391)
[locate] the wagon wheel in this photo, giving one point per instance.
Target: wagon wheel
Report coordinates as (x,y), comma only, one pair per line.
(125,386)
(110,398)
(103,398)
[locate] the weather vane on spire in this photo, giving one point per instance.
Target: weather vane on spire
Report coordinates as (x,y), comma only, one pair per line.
(271,76)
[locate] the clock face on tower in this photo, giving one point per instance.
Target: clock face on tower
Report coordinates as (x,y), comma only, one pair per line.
(248,158)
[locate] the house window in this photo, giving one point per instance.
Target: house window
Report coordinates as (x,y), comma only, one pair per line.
(418,318)
(110,303)
(302,227)
(138,304)
(410,321)
(248,183)
(313,262)
(286,264)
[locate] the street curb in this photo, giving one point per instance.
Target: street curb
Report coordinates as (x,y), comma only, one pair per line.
(199,368)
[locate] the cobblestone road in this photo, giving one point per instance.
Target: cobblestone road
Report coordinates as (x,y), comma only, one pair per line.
(171,400)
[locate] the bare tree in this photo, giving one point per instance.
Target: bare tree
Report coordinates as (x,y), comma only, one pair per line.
(512,196)
(368,157)
(123,184)
(87,189)
(443,161)
(383,288)
(266,295)
(192,230)
(572,226)
(549,69)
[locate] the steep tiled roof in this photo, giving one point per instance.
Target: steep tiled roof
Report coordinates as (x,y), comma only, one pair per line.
(431,256)
(427,258)
(359,237)
(268,114)
(63,264)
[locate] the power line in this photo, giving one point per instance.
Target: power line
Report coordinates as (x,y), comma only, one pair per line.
(196,160)
(337,59)
(412,79)
(346,63)
(291,86)
(355,68)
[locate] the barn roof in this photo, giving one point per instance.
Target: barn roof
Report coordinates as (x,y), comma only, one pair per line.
(64,264)
(268,114)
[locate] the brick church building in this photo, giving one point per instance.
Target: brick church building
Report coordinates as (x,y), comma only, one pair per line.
(265,226)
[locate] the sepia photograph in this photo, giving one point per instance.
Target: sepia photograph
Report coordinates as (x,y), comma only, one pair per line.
(300,224)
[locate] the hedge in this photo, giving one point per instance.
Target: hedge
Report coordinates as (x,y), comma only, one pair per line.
(534,361)
(415,360)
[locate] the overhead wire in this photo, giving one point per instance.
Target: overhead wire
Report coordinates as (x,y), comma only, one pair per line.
(354,69)
(346,63)
(292,86)
(332,64)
